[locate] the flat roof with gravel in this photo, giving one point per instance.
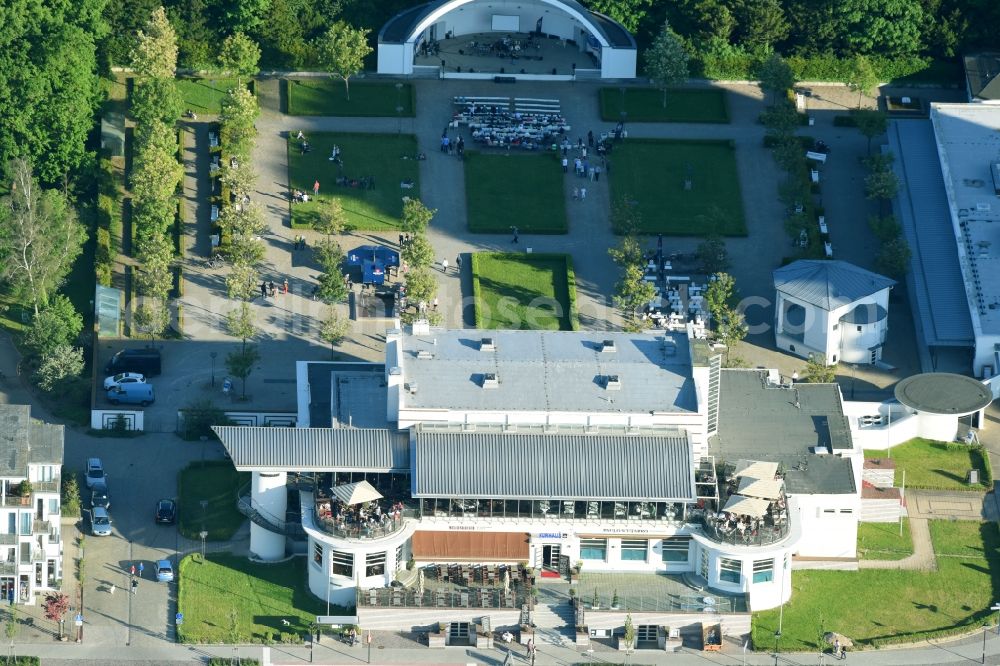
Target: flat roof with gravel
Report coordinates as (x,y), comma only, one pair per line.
(943,393)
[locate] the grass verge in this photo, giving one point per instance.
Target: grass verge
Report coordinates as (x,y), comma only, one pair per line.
(882,541)
(378,155)
(326,97)
(226,599)
(645,105)
(204,95)
(506,189)
(932,465)
(215,482)
(524,291)
(878,607)
(652,173)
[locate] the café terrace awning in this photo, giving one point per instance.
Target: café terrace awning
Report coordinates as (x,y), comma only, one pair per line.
(756,469)
(470,546)
(746,506)
(356,493)
(768,489)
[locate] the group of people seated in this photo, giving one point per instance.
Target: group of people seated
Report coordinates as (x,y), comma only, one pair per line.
(496,126)
(298,196)
(368,515)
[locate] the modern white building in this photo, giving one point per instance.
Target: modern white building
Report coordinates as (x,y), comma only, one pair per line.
(533,38)
(30,543)
(831,309)
(559,451)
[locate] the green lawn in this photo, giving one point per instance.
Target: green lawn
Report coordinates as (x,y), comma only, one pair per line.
(505,189)
(204,95)
(326,97)
(652,173)
(524,291)
(645,105)
(378,155)
(873,607)
(936,465)
(261,594)
(217,482)
(881,541)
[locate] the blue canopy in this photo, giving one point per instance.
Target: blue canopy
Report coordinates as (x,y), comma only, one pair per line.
(373,260)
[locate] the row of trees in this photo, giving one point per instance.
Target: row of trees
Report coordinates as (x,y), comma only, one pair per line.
(156,172)
(632,292)
(417,256)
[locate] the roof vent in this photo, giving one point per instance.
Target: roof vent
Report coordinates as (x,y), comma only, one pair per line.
(410,388)
(608,346)
(613,383)
(425,355)
(487,344)
(491,380)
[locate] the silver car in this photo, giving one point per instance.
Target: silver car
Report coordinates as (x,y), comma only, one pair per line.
(100,521)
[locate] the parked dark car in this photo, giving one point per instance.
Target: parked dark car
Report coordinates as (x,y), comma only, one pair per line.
(99,496)
(143,361)
(166,512)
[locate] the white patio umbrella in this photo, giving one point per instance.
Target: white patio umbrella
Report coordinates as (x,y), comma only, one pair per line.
(769,489)
(746,506)
(356,493)
(756,469)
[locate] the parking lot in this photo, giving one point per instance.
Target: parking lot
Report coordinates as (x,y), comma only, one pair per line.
(187,377)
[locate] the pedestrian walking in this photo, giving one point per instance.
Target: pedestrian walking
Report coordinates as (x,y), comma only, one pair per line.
(435,305)
(444,265)
(400,240)
(316,187)
(135,585)
(565,164)
(142,568)
(590,173)
(583,194)
(514,229)
(576,193)
(458,263)
(590,138)
(597,173)
(284,288)
(132,571)
(111,590)
(583,153)
(270,288)
(263,290)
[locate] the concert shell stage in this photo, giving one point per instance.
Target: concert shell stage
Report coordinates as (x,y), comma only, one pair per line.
(533,39)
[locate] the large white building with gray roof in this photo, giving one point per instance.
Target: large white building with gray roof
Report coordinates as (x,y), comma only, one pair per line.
(833,310)
(482,454)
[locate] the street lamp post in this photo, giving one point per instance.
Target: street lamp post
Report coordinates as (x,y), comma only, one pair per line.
(213,355)
(203,534)
(777,637)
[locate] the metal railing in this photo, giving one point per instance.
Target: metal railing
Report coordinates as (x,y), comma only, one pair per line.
(45,486)
(668,602)
(412,598)
(377,530)
(761,536)
(16,500)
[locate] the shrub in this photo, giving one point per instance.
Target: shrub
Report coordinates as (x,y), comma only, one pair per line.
(70,494)
(199,417)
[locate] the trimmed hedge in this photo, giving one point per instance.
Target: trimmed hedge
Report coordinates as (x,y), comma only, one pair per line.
(574,314)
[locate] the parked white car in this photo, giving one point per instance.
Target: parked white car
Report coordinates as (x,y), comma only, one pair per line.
(123,378)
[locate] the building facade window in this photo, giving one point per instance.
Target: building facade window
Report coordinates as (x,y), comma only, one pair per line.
(375,564)
(763,571)
(341,563)
(318,553)
(25,523)
(675,549)
(53,506)
(703,564)
(634,550)
(399,557)
(730,571)
(594,549)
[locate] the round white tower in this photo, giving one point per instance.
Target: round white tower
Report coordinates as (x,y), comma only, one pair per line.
(270,500)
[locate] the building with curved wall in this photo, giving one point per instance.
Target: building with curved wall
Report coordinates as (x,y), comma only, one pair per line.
(466,38)
(561,452)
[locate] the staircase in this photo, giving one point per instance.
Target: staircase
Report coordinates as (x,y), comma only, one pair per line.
(555,623)
(246,506)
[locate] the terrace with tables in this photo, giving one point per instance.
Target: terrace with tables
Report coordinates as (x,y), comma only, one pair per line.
(754,510)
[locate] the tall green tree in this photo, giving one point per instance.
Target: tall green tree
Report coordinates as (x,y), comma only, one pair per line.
(667,61)
(240,364)
(239,55)
(40,236)
(49,86)
(416,216)
(154,55)
(818,372)
(862,77)
(332,219)
(763,23)
(152,318)
(776,76)
(871,123)
(241,322)
(342,51)
(238,131)
(418,253)
(334,328)
(244,15)
(632,294)
(58,324)
(629,13)
(62,363)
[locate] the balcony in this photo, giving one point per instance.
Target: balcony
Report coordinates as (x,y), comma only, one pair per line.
(15,500)
(41,527)
(46,486)
(344,530)
(723,530)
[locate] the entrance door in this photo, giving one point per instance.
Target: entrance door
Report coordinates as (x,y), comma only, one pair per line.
(550,556)
(645,633)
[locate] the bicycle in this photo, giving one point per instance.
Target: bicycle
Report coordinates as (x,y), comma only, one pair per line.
(216,261)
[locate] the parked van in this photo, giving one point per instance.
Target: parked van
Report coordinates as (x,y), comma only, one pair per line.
(132,394)
(143,361)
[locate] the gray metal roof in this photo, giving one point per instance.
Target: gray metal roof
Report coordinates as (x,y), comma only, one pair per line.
(828,284)
(24,441)
(315,449)
(758,421)
(934,281)
(497,465)
(554,371)
(943,393)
